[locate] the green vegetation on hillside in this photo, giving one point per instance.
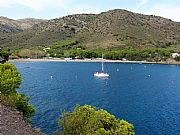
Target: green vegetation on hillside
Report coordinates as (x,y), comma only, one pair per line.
(64,44)
(29,53)
(87,120)
(10,80)
(114,29)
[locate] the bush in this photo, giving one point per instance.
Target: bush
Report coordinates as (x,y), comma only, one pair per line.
(10,79)
(22,105)
(20,102)
(5,54)
(86,120)
(177,58)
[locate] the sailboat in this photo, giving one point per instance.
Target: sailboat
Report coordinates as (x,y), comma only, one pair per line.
(101,73)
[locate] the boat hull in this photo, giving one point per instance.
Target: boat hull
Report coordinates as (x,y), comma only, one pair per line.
(101,74)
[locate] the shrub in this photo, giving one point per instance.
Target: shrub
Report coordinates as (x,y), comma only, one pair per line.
(177,58)
(5,54)
(20,102)
(10,79)
(86,120)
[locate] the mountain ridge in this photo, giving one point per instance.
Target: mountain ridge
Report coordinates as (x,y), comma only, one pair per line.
(11,25)
(114,29)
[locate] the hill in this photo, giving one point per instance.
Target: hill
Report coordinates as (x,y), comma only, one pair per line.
(10,25)
(114,29)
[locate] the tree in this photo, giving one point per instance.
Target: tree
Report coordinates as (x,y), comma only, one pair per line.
(87,120)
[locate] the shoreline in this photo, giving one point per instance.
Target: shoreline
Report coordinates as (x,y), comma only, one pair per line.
(91,60)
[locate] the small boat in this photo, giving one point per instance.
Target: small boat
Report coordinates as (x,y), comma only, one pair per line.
(101,73)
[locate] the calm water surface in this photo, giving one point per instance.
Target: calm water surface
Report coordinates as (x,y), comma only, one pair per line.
(148,96)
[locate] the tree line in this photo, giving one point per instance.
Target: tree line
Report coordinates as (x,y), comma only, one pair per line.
(154,54)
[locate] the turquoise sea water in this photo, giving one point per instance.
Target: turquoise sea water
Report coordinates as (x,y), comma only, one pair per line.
(146,95)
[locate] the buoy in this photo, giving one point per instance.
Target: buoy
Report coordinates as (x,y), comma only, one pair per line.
(51,77)
(149,75)
(117,70)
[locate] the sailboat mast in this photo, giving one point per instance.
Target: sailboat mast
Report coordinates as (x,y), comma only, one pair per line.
(102,63)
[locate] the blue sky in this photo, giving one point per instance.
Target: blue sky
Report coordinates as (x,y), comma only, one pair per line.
(49,9)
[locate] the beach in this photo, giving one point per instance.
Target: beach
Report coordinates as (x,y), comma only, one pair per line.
(91,60)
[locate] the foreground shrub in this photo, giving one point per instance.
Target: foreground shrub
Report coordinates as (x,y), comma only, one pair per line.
(87,120)
(10,79)
(20,102)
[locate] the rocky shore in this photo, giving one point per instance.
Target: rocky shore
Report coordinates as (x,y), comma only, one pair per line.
(12,123)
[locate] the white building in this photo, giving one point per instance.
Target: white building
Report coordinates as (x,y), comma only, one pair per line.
(174,55)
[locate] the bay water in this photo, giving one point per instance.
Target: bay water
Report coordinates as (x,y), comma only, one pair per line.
(146,95)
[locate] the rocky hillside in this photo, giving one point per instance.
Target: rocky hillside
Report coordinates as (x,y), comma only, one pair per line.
(120,28)
(114,29)
(12,123)
(10,25)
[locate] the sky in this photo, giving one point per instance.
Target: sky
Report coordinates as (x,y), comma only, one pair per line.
(50,9)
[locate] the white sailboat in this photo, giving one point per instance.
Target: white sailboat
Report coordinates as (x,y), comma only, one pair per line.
(101,73)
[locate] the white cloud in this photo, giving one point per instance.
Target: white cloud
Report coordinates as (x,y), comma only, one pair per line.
(36,5)
(167,11)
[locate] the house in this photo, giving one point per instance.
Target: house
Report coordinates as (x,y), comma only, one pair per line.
(2,60)
(174,55)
